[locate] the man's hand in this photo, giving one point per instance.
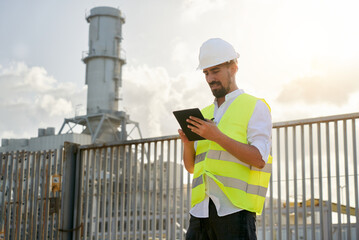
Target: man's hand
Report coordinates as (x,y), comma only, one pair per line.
(204,128)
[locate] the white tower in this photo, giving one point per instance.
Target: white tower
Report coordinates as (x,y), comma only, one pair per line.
(104,79)
(104,62)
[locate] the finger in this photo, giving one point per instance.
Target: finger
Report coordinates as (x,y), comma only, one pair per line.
(196,119)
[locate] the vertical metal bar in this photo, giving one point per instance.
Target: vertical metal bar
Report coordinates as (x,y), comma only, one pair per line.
(98,193)
(36,195)
(32,193)
(4,176)
(346,168)
(320,172)
(355,163)
(9,191)
(15,199)
(154,190)
(129,193)
(304,202)
(295,179)
(104,194)
(59,194)
(26,197)
(338,180)
(174,222)
(329,204)
(287,180)
(271,204)
(312,196)
(92,190)
(189,187)
(110,194)
(122,190)
(168,193)
(42,190)
(116,191)
(182,229)
(68,189)
(86,195)
(263,225)
(279,203)
(19,224)
(8,201)
(53,194)
(148,190)
(161,193)
(142,189)
(78,201)
(47,194)
(135,214)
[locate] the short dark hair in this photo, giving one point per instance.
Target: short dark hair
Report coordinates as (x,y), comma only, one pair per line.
(230,62)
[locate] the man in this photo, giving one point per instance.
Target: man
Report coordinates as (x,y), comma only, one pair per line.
(232,167)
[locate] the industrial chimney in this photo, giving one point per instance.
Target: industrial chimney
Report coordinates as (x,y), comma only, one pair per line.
(103,78)
(104,62)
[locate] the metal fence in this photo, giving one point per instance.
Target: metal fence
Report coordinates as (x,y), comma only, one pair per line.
(140,190)
(136,190)
(314,186)
(30,195)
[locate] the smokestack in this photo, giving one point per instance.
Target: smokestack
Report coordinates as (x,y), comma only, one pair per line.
(103,121)
(104,62)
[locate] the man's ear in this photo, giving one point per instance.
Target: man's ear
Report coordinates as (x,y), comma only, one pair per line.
(233,68)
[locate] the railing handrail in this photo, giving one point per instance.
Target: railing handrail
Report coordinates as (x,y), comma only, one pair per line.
(316,120)
(129,142)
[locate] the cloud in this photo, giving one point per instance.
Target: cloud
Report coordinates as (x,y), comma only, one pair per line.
(334,87)
(193,9)
(30,98)
(151,95)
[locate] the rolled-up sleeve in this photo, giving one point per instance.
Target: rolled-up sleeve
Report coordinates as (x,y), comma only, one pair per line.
(259,131)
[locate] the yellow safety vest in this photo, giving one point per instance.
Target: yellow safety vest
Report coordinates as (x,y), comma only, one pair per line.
(244,185)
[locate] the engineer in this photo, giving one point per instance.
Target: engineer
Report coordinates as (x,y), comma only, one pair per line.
(232,167)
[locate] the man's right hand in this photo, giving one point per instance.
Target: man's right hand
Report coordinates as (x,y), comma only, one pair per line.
(183,137)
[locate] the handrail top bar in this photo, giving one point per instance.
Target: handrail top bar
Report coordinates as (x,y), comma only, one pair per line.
(129,142)
(316,120)
(275,125)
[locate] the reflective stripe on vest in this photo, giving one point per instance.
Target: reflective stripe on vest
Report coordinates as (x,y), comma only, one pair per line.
(226,156)
(234,183)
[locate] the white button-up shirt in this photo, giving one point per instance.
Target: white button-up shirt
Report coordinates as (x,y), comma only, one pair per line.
(259,134)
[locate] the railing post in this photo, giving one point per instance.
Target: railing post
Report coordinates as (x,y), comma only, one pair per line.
(68,190)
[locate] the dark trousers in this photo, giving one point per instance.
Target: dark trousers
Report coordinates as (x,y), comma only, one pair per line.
(237,226)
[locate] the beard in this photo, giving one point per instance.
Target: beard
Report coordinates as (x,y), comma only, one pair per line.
(221,91)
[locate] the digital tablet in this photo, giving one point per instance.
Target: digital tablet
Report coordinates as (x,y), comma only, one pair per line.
(182,116)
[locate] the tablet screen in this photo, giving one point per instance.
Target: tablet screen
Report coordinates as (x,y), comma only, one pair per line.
(182,116)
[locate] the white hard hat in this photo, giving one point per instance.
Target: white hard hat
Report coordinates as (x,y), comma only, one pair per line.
(215,51)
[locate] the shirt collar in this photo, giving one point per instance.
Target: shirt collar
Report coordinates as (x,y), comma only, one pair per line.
(230,96)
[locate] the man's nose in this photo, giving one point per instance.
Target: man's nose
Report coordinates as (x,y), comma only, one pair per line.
(210,78)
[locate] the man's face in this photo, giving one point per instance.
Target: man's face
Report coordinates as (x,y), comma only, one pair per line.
(219,80)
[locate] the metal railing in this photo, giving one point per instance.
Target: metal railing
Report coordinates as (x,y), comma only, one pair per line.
(314,184)
(140,190)
(136,190)
(29,200)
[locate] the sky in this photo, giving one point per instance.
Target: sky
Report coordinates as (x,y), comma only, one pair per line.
(301,56)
